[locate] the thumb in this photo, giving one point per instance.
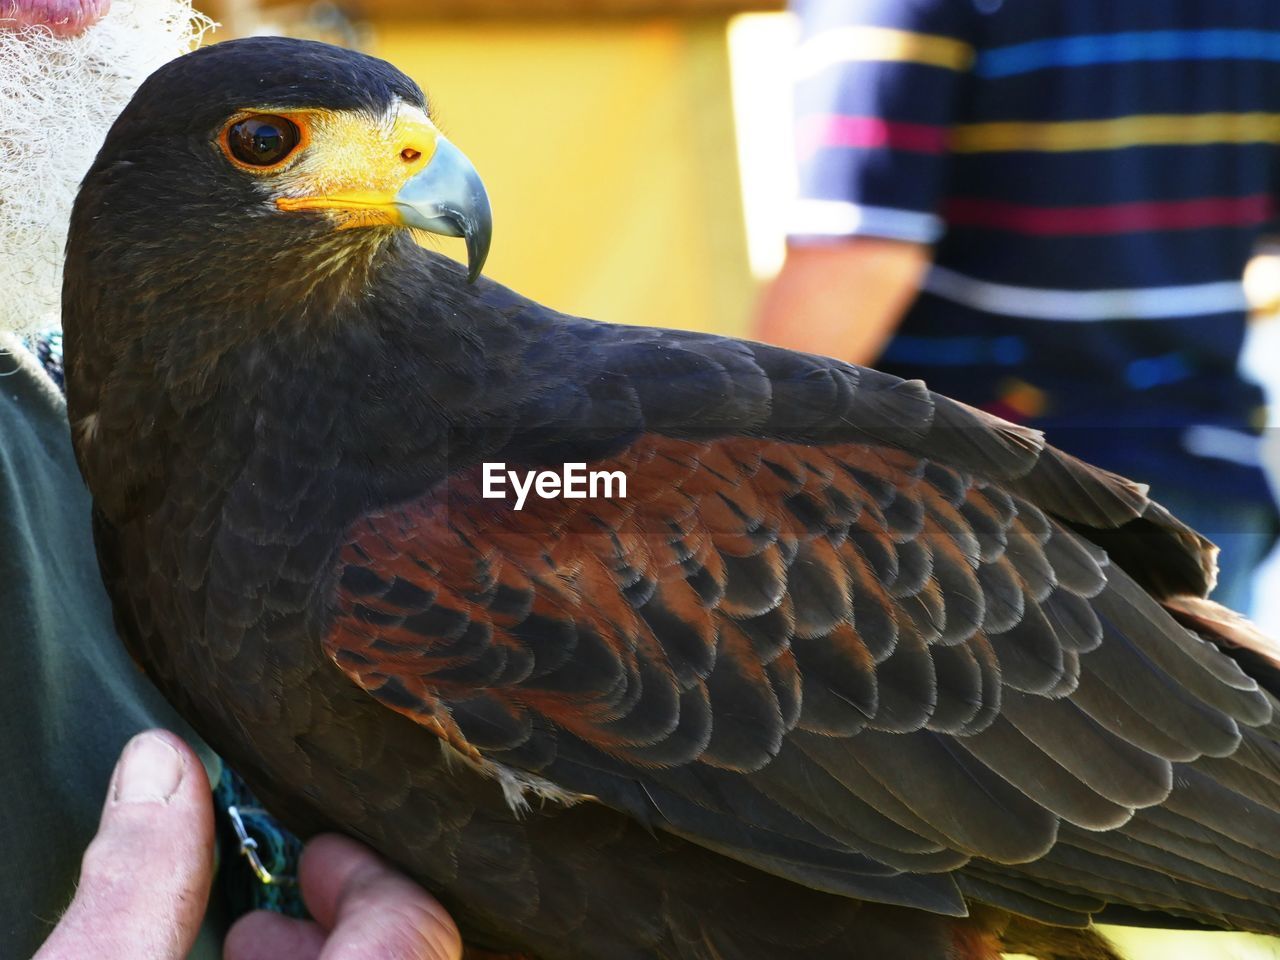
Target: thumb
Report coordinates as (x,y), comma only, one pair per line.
(144,880)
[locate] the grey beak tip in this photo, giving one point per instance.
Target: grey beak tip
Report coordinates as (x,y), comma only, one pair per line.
(477,239)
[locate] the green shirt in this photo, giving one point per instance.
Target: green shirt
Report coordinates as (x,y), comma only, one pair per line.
(70,696)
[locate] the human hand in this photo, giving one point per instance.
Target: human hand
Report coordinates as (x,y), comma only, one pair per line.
(363,910)
(145,880)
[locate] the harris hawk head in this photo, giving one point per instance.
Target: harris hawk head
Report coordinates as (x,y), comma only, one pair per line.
(274,171)
(851,670)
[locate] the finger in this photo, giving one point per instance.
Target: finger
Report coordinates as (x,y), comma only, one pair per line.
(371,909)
(144,880)
(263,935)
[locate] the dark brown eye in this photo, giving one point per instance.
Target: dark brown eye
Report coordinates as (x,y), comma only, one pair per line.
(262,141)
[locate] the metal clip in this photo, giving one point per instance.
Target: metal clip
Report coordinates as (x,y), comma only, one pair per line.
(249,850)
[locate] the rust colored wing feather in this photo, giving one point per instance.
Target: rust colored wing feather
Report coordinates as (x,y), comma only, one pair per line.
(846,664)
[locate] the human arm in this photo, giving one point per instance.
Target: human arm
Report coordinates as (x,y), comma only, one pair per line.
(844,298)
(878,87)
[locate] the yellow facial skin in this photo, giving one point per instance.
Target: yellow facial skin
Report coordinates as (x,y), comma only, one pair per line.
(358,170)
(347,163)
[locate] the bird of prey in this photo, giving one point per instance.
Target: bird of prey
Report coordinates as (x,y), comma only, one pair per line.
(851,670)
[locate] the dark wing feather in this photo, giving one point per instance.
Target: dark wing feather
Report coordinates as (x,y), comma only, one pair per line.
(841,629)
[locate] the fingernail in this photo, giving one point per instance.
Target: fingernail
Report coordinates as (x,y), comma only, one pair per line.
(149,772)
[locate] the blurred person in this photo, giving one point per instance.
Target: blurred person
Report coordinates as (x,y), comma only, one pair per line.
(70,695)
(1044,210)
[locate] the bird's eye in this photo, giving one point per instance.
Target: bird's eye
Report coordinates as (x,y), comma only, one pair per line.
(263,140)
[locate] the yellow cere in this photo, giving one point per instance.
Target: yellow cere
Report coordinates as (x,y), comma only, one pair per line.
(354,165)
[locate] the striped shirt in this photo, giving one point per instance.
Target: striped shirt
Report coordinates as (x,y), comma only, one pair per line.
(1094,175)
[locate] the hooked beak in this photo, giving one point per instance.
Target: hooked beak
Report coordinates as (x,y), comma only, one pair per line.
(448,198)
(401,174)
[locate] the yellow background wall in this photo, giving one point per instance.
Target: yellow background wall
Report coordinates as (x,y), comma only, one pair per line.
(614,188)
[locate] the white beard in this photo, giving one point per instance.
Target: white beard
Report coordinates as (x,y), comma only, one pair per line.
(58,98)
